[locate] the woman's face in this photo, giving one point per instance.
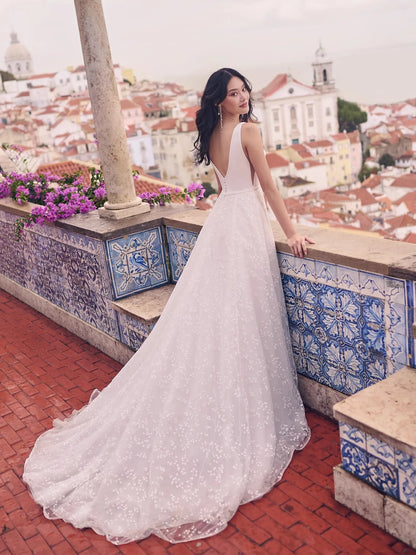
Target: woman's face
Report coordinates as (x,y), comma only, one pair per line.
(236,101)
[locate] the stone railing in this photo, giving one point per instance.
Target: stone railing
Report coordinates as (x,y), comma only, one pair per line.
(350,304)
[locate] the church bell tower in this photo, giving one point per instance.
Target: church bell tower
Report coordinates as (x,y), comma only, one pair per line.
(323,79)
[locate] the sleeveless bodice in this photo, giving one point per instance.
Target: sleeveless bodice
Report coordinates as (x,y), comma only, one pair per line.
(238,177)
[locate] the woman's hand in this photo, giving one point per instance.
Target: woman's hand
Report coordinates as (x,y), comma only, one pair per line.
(297,244)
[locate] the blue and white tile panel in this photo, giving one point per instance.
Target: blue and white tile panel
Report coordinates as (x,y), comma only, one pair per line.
(133,332)
(180,244)
(137,262)
(390,471)
(66,268)
(349,328)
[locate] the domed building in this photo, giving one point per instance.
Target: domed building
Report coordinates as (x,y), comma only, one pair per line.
(17,59)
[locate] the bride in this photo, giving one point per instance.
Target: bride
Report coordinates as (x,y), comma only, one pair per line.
(207,414)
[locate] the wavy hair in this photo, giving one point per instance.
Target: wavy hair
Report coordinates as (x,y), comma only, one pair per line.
(207,116)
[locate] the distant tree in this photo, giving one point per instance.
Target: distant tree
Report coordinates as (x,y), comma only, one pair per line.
(386,160)
(365,172)
(349,115)
(209,189)
(6,76)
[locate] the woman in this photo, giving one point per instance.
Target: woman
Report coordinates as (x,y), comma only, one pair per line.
(206,415)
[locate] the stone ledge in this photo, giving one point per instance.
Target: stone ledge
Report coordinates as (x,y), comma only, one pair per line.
(146,306)
(385,410)
(371,254)
(391,515)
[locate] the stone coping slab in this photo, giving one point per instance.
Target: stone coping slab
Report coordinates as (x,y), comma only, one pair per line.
(148,305)
(386,410)
(370,254)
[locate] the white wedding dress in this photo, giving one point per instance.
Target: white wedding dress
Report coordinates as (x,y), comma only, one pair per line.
(206,415)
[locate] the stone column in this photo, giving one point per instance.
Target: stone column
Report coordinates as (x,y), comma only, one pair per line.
(108,120)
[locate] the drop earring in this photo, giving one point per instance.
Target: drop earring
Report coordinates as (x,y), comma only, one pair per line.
(220,114)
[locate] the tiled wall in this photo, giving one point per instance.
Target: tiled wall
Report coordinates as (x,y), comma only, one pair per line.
(389,470)
(68,269)
(349,328)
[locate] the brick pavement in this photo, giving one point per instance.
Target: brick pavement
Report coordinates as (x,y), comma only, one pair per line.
(46,372)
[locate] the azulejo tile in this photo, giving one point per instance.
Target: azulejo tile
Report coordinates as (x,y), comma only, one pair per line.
(397,348)
(352,435)
(407,477)
(372,285)
(380,449)
(180,244)
(405,462)
(325,273)
(407,489)
(383,476)
(340,315)
(344,368)
(396,318)
(354,459)
(374,325)
(375,369)
(395,290)
(348,278)
(136,262)
(286,263)
(392,367)
(133,332)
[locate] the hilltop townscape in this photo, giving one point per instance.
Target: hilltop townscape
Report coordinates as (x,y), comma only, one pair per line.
(361,180)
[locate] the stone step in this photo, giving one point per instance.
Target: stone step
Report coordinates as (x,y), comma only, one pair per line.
(377,478)
(385,410)
(146,306)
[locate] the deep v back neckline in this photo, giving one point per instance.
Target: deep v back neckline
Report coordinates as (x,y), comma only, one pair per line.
(229,154)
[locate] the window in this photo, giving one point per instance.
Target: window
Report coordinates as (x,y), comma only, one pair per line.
(331,160)
(278,147)
(295,141)
(341,157)
(328,127)
(328,111)
(325,76)
(310,111)
(293,118)
(310,123)
(276,121)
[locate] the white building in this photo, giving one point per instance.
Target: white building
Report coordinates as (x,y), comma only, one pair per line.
(291,112)
(17,59)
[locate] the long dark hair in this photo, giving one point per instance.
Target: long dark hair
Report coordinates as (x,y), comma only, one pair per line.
(207,116)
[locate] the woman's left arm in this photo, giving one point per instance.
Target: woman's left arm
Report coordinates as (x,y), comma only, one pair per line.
(253,147)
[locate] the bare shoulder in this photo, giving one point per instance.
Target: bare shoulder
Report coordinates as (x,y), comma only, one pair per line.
(250,133)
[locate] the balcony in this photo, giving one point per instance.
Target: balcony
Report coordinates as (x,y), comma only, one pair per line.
(351,308)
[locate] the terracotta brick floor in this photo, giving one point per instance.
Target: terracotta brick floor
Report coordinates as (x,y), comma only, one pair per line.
(46,372)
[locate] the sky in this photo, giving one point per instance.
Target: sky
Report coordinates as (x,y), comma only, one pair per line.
(372,42)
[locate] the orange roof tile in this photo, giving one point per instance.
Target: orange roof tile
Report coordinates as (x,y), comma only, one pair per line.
(364,196)
(274,160)
(408,181)
(280,81)
(401,221)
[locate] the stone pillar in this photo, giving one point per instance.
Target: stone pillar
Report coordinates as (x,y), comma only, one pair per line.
(108,120)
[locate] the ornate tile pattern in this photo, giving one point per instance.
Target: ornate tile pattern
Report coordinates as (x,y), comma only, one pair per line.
(352,327)
(67,269)
(407,478)
(383,476)
(389,470)
(133,332)
(354,459)
(137,262)
(180,244)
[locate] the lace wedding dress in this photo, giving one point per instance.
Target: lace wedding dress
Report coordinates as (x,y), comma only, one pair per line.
(206,415)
